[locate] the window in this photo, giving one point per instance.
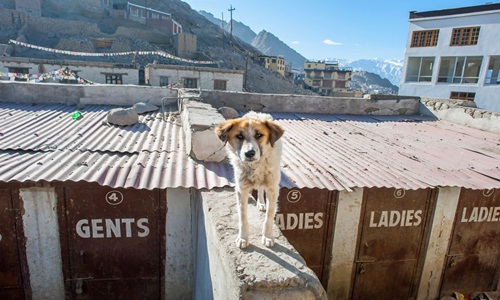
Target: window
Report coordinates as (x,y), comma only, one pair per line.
(134,11)
(105,2)
(155,15)
(493,72)
(316,82)
(327,75)
(327,83)
(274,60)
(114,79)
(163,80)
(220,85)
(424,38)
(465,36)
(191,83)
(419,69)
(340,84)
(461,69)
(462,96)
(144,13)
(341,75)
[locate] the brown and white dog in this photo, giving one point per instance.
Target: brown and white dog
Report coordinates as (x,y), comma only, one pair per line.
(254,148)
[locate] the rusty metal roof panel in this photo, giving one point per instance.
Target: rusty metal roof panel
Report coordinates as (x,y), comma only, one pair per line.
(334,152)
(343,152)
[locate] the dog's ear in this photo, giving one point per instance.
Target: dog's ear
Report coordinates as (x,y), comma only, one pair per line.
(223,129)
(275,132)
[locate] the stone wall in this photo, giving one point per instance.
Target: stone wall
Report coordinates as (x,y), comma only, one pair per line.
(462,112)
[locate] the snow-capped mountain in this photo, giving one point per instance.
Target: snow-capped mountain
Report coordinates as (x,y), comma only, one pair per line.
(386,68)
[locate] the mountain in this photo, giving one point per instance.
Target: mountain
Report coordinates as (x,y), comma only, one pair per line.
(372,83)
(240,30)
(390,69)
(269,44)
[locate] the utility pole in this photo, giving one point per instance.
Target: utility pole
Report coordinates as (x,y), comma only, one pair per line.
(231,24)
(222,27)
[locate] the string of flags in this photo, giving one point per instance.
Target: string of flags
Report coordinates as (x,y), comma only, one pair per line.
(104,54)
(61,74)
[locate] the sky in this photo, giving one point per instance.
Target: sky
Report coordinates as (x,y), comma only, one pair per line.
(322,30)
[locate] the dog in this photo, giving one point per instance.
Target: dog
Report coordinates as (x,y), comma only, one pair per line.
(254,149)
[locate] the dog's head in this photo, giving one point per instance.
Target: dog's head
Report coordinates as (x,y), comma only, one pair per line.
(249,137)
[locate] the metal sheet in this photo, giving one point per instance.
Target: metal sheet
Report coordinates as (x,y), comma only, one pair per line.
(114,242)
(10,263)
(389,248)
(473,260)
(305,218)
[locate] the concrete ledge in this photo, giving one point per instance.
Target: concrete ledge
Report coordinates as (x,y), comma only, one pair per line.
(198,120)
(73,94)
(396,105)
(255,272)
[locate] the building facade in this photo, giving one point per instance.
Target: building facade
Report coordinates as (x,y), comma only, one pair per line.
(454,53)
(97,72)
(153,18)
(194,77)
(326,77)
(274,63)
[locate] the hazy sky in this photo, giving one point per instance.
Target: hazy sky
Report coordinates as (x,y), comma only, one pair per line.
(321,29)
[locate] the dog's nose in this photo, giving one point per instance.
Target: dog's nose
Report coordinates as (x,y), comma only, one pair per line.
(250,153)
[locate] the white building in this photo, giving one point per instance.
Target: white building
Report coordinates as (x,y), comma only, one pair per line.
(194,77)
(454,53)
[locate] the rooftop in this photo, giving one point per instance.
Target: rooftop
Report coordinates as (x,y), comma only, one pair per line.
(455,11)
(335,152)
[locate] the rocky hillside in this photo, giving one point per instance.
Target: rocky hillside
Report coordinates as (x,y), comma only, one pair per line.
(371,83)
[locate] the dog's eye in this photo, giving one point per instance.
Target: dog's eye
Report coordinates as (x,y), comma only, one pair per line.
(240,137)
(258,136)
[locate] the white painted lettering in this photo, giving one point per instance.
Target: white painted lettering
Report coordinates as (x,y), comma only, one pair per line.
(141,224)
(395,218)
(109,228)
(473,215)
(289,224)
(496,214)
(301,221)
(280,221)
(308,221)
(384,219)
(418,217)
(481,214)
(128,226)
(82,228)
(403,218)
(464,212)
(97,229)
(113,228)
(372,223)
(409,218)
(319,220)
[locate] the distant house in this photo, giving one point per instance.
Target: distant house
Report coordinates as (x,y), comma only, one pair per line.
(326,77)
(274,63)
(194,77)
(454,53)
(153,18)
(97,72)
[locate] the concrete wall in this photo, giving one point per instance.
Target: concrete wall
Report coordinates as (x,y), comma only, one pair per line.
(95,72)
(185,44)
(256,272)
(205,76)
(43,248)
(71,94)
(311,104)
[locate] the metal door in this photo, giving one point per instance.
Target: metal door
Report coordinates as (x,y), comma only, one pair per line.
(394,225)
(10,264)
(114,243)
(304,218)
(473,256)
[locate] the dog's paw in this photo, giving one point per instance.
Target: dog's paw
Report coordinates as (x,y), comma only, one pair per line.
(268,242)
(261,206)
(241,243)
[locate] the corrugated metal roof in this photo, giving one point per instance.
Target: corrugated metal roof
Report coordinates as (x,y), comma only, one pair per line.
(43,143)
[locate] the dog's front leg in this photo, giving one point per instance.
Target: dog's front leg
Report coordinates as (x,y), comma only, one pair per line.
(272,199)
(261,204)
(242,199)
